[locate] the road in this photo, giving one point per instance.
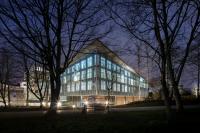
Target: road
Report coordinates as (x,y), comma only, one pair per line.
(42,113)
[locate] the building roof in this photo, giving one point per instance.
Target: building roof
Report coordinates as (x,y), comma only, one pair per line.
(98,47)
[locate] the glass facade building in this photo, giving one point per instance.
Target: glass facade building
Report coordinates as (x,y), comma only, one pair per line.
(93,73)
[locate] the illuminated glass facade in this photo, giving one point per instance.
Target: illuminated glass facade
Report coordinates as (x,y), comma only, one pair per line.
(93,73)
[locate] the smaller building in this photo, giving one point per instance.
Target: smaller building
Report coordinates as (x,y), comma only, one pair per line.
(14,96)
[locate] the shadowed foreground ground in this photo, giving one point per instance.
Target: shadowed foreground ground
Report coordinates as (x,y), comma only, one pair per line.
(126,122)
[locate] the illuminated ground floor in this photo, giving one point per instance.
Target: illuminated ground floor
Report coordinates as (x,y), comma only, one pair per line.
(79,101)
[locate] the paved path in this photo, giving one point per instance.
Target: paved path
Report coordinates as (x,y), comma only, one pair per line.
(41,113)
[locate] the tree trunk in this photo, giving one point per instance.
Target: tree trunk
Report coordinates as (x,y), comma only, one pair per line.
(4,102)
(8,96)
(177,96)
(198,76)
(55,90)
(27,94)
(41,105)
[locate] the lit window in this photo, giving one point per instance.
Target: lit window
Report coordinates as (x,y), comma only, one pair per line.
(77,76)
(125,80)
(68,87)
(68,70)
(77,86)
(122,78)
(77,67)
(89,61)
(109,75)
(103,85)
(89,85)
(118,87)
(73,68)
(131,81)
(118,69)
(141,79)
(64,80)
(94,72)
(125,88)
(118,78)
(83,85)
(89,73)
(114,67)
(128,73)
(122,88)
(95,59)
(83,75)
(103,73)
(73,87)
(103,62)
(108,64)
(83,64)
(114,87)
(125,72)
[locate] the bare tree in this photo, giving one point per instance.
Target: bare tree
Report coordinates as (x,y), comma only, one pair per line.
(194,63)
(162,25)
(111,78)
(37,80)
(6,76)
(54,30)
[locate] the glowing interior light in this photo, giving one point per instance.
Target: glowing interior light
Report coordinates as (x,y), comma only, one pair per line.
(73,106)
(59,104)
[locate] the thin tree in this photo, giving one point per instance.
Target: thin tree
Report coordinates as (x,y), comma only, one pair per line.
(6,71)
(111,78)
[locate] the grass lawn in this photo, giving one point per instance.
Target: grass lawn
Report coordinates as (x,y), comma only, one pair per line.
(125,122)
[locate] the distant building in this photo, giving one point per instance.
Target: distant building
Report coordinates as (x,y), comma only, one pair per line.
(35,77)
(92,71)
(194,90)
(13,94)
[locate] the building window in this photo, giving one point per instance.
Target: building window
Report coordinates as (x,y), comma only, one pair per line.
(73,87)
(122,78)
(68,70)
(114,67)
(128,73)
(103,60)
(77,86)
(118,78)
(68,87)
(125,88)
(77,76)
(114,87)
(108,64)
(94,72)
(64,80)
(77,66)
(122,88)
(103,85)
(89,61)
(95,59)
(83,86)
(83,64)
(83,75)
(89,85)
(118,69)
(131,81)
(125,73)
(89,73)
(73,68)
(109,75)
(125,80)
(118,87)
(103,73)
